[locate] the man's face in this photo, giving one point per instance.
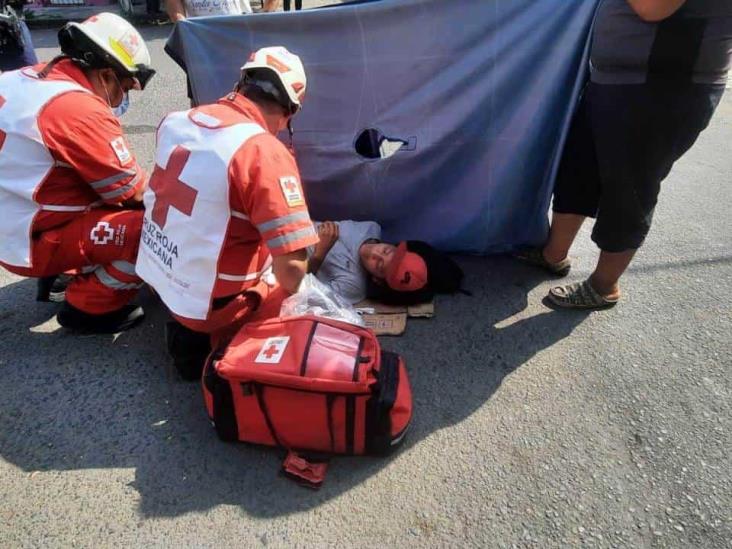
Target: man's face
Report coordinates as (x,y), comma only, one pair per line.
(376,258)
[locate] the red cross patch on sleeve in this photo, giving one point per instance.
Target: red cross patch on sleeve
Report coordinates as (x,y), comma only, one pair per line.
(291,190)
(121,151)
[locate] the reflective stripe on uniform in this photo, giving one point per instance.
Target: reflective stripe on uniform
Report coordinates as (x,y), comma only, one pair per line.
(55,208)
(63,208)
(124,267)
(274,243)
(284,220)
(110,282)
(239,215)
(122,190)
(249,276)
(111,180)
(240,278)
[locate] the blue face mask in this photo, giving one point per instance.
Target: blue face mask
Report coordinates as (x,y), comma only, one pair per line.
(120,109)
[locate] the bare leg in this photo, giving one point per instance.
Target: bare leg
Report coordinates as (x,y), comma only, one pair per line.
(562,233)
(271,5)
(610,267)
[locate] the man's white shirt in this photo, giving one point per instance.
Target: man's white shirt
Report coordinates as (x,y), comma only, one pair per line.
(200,8)
(341,269)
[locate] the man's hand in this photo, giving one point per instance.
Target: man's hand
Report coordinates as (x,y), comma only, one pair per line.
(176,10)
(328,234)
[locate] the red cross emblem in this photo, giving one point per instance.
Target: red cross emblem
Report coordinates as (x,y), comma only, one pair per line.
(170,190)
(291,191)
(291,186)
(134,41)
(102,233)
(272,351)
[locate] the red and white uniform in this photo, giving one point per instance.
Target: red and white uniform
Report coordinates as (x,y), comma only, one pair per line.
(225,197)
(63,162)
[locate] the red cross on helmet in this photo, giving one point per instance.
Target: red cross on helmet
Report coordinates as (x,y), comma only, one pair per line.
(107,40)
(286,66)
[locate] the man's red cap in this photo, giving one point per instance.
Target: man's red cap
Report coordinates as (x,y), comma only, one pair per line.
(407,272)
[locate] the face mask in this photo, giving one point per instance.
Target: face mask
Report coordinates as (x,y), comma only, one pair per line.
(120,109)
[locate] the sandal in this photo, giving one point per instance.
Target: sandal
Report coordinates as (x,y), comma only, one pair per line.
(580,295)
(535,256)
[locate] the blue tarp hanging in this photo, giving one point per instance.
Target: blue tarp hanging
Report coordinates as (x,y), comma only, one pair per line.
(480,91)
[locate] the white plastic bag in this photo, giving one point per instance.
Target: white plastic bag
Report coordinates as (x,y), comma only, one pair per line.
(319,299)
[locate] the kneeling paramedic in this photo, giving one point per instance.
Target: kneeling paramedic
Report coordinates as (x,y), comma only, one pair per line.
(225,209)
(68,181)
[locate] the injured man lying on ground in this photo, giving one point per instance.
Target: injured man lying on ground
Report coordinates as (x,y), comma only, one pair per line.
(352,259)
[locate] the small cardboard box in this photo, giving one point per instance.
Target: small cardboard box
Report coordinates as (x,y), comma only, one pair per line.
(392,319)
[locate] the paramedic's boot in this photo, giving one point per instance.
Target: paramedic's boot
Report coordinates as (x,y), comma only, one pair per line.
(189,349)
(109,323)
(52,288)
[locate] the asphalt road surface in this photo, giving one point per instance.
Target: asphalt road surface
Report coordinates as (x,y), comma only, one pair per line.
(532,428)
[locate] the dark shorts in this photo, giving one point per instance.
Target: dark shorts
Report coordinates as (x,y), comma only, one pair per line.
(623,142)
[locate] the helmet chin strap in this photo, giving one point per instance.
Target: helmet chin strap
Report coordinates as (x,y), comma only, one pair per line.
(109,100)
(291,132)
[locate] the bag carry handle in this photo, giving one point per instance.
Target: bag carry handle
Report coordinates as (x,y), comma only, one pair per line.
(310,474)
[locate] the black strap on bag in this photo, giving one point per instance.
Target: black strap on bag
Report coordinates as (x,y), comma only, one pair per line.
(306,471)
(259,393)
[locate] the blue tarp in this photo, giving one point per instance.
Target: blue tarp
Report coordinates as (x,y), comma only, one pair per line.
(481,90)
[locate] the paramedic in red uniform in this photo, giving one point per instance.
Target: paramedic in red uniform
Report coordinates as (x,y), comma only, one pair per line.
(225,213)
(67,176)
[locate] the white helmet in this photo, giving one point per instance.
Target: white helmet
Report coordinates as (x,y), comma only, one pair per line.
(286,66)
(107,40)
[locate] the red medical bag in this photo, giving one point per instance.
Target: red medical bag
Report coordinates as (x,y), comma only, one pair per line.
(309,384)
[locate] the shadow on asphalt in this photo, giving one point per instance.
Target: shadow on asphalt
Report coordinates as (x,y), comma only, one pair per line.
(71,402)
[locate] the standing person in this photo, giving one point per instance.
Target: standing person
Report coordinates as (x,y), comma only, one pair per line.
(298,5)
(225,207)
(68,181)
(178,10)
(153,11)
(16,45)
(273,5)
(658,71)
